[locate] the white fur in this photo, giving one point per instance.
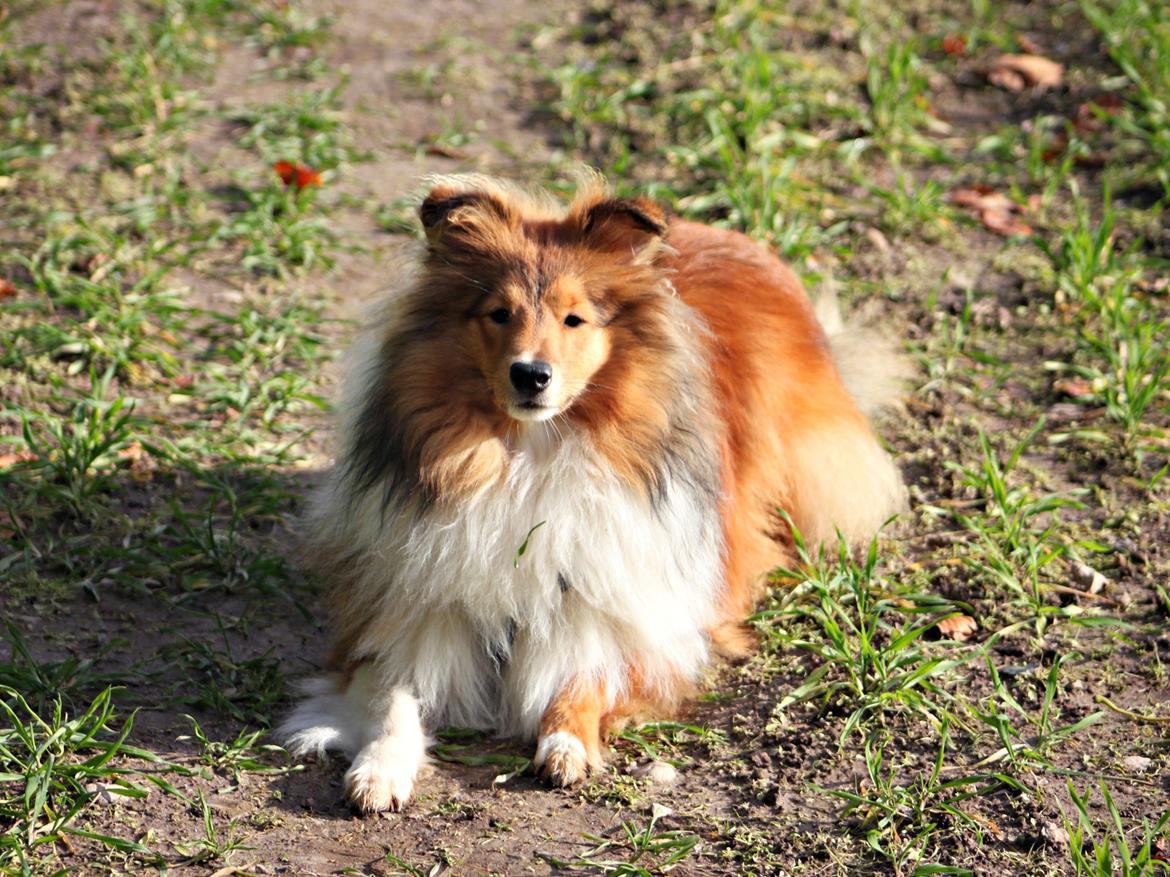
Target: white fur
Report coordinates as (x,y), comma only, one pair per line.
(484,638)
(377,724)
(562,757)
(559,743)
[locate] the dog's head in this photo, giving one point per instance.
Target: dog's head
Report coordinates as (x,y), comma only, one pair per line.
(542,301)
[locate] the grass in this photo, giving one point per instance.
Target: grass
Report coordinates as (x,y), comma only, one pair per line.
(869,665)
(1106,850)
(164,362)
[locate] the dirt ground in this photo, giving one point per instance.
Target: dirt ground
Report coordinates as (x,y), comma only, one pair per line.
(756,787)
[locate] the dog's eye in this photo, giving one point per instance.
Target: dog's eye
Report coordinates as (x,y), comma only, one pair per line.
(572,321)
(500,316)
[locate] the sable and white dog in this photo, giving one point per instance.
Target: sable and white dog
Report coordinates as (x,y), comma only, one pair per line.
(632,401)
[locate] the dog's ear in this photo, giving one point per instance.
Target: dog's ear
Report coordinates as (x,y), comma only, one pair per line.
(454,217)
(620,225)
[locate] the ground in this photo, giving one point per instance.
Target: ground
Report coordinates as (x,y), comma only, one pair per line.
(199,198)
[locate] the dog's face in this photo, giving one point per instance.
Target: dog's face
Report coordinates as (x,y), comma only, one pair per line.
(539,348)
(536,298)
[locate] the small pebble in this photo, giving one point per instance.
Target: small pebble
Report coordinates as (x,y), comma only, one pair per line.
(660,773)
(1055,834)
(1137,763)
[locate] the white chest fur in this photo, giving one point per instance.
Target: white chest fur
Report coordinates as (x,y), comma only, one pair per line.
(486,635)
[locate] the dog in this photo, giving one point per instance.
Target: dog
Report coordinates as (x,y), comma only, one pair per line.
(572,446)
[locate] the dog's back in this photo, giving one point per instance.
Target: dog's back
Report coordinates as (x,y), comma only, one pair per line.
(795,439)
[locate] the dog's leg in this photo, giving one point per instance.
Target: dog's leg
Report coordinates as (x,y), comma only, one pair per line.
(394,745)
(569,745)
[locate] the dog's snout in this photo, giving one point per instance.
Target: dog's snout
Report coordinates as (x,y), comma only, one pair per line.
(530,377)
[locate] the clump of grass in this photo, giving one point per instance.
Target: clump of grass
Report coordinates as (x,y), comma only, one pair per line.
(908,822)
(72,457)
(870,662)
(1032,745)
(53,765)
(649,850)
(1137,35)
(1106,851)
(1121,333)
(1019,539)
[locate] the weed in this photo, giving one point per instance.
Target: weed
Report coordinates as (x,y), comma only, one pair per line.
(72,457)
(212,846)
(662,740)
(1106,852)
(904,822)
(1137,35)
(651,851)
(1028,750)
(868,666)
(243,754)
(52,767)
(896,86)
(1121,334)
(1019,539)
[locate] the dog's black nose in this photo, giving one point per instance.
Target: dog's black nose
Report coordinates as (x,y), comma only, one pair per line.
(530,377)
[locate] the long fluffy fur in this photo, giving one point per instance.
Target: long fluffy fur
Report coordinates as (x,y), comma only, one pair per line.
(647,509)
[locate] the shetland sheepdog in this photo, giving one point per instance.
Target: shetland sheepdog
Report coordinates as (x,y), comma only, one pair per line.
(572,445)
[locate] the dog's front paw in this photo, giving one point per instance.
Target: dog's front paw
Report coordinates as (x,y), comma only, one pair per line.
(561,759)
(380,780)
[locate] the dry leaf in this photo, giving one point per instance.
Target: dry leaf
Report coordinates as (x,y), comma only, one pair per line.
(445,151)
(954,45)
(1160,851)
(7,460)
(1002,222)
(132,452)
(982,198)
(7,288)
(1074,388)
(1017,72)
(960,628)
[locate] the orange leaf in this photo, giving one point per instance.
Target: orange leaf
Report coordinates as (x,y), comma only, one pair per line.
(1001,222)
(7,460)
(954,45)
(297,175)
(982,198)
(1074,388)
(1015,72)
(960,628)
(7,288)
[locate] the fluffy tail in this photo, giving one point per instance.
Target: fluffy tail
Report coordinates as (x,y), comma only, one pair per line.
(872,367)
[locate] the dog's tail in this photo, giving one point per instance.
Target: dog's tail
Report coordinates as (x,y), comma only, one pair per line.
(872,367)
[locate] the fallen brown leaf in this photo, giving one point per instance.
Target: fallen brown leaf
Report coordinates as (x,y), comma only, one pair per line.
(1017,72)
(132,452)
(7,460)
(1074,388)
(982,198)
(1002,222)
(960,628)
(7,288)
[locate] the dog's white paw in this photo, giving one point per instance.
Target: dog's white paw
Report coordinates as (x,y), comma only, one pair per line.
(561,758)
(380,779)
